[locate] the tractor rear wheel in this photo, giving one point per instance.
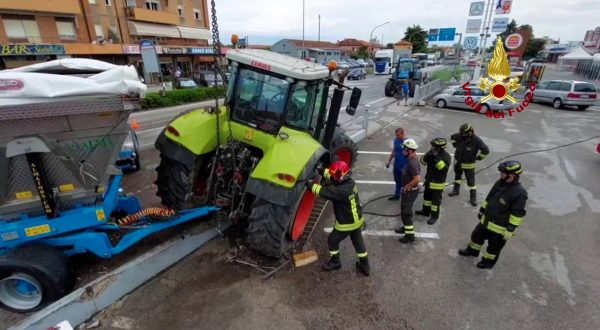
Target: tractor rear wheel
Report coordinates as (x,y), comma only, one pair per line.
(180,187)
(344,149)
(389,88)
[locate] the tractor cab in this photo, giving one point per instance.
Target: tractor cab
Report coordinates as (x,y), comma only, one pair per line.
(269,90)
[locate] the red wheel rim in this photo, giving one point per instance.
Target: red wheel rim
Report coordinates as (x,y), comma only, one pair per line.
(303,214)
(344,155)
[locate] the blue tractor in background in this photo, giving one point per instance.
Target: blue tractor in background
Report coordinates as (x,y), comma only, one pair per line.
(406,69)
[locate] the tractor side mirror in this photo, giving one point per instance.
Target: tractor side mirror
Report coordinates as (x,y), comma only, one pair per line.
(354,101)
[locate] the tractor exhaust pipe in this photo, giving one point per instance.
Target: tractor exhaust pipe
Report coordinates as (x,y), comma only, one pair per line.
(332,118)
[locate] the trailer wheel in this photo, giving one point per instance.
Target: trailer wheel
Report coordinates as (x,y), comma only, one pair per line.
(178,186)
(33,276)
(344,149)
(389,88)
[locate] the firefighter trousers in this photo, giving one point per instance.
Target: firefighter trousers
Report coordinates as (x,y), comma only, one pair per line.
(336,237)
(469,175)
(406,210)
(432,201)
(495,243)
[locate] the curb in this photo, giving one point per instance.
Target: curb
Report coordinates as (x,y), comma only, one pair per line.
(83,303)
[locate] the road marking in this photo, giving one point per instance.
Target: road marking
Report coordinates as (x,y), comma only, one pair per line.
(389,233)
(381,182)
(373,102)
(150,130)
(386,153)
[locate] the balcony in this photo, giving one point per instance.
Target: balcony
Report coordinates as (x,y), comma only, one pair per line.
(141,14)
(46,6)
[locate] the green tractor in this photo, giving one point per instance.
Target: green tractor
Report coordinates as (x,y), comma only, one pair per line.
(253,155)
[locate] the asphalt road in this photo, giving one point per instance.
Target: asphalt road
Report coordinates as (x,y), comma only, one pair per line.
(548,276)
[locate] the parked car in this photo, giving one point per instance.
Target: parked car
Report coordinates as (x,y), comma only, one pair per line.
(517,72)
(362,63)
(430,62)
(128,159)
(566,92)
(185,83)
(357,74)
(457,99)
(343,65)
(472,63)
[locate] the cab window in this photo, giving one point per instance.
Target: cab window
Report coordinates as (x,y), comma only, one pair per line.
(300,105)
(260,100)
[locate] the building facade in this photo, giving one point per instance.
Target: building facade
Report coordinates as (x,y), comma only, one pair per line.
(317,51)
(34,31)
(592,40)
(352,46)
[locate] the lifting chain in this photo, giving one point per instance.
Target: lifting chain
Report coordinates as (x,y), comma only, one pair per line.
(218,72)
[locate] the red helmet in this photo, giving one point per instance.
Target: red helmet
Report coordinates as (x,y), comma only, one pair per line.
(338,170)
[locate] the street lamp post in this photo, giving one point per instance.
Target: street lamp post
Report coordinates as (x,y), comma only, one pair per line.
(371,36)
(303,50)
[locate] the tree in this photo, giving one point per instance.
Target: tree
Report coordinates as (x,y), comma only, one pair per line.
(418,37)
(533,48)
(526,27)
(363,52)
(510,29)
(389,46)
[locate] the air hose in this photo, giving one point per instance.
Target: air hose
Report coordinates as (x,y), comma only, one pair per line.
(151,211)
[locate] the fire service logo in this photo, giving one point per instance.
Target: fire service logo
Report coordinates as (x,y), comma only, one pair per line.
(499,86)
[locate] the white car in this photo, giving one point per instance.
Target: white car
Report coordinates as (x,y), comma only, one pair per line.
(458,99)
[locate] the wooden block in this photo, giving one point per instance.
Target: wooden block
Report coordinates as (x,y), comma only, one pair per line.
(305,258)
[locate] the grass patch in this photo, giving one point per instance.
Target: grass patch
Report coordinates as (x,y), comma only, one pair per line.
(182,96)
(448,74)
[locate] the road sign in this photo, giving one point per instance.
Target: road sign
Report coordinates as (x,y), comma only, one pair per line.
(513,41)
(470,43)
(447,34)
(474,25)
(477,8)
(434,32)
(503,7)
(500,24)
(432,37)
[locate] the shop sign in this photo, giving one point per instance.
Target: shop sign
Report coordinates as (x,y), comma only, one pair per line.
(174,50)
(16,50)
(135,49)
(200,51)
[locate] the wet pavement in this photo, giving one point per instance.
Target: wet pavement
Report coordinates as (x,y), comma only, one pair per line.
(547,276)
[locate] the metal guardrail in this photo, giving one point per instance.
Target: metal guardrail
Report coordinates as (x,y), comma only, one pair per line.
(588,70)
(426,91)
(358,127)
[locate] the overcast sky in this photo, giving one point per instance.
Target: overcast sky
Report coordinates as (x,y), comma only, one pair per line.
(266,21)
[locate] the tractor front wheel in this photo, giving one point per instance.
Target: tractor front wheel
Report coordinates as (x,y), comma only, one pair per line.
(180,187)
(389,88)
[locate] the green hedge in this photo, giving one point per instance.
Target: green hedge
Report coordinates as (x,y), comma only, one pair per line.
(182,96)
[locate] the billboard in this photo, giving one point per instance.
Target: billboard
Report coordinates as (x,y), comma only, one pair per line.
(503,7)
(447,34)
(473,25)
(500,24)
(519,50)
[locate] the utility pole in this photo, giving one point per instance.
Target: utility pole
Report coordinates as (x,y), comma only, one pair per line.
(319,39)
(482,42)
(303,49)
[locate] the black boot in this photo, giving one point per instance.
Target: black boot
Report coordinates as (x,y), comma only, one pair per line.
(394,198)
(333,264)
(468,253)
(485,264)
(399,230)
(363,265)
(432,220)
(424,212)
(407,239)
(473,197)
(455,190)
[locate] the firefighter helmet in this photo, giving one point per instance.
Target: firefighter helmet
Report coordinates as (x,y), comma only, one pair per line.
(410,144)
(511,167)
(439,143)
(338,170)
(464,128)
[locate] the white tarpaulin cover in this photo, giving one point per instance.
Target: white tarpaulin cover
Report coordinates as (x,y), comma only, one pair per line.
(25,85)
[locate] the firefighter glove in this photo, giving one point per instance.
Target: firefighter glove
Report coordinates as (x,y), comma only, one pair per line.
(479,215)
(480,157)
(320,169)
(309,185)
(507,234)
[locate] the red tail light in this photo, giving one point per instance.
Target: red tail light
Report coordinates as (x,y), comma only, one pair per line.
(286,177)
(593,96)
(281,176)
(173,131)
(573,95)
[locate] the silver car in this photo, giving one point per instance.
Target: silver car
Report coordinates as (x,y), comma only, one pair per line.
(566,92)
(458,99)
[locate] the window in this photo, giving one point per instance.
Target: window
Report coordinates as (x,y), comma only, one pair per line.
(565,87)
(554,85)
(99,32)
(460,92)
(300,107)
(180,10)
(197,14)
(153,5)
(107,2)
(585,88)
(93,2)
(66,30)
(24,29)
(543,85)
(260,100)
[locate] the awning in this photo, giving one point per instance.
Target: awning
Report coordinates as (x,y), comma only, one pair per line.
(194,33)
(149,29)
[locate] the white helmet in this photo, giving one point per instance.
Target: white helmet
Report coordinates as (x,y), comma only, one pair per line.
(410,144)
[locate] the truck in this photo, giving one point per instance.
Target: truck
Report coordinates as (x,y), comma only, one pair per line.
(406,69)
(253,155)
(383,61)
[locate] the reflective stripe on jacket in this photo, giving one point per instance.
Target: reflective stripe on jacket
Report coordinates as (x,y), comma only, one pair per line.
(437,168)
(346,204)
